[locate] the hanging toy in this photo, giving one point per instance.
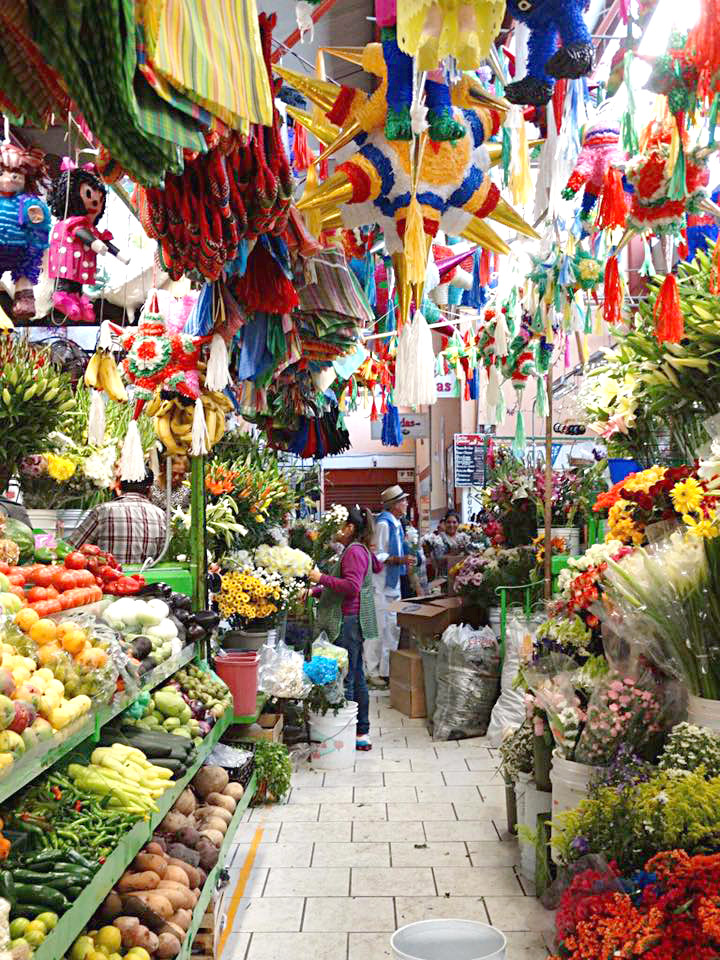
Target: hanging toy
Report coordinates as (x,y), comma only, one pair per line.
(78,201)
(548,19)
(431,30)
(24,222)
(596,169)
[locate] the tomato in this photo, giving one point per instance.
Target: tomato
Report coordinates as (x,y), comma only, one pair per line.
(65,600)
(42,576)
(97,594)
(45,607)
(84,578)
(4,567)
(16,571)
(16,579)
(66,581)
(52,593)
(18,591)
(90,550)
(76,560)
(108,573)
(56,573)
(36,594)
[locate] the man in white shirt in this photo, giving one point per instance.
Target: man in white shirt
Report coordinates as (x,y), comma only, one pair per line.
(393,554)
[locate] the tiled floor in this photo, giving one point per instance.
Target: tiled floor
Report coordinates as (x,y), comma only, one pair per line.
(415,831)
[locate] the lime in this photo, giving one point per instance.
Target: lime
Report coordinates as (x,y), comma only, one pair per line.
(81,948)
(34,937)
(137,953)
(109,938)
(18,927)
(35,924)
(49,919)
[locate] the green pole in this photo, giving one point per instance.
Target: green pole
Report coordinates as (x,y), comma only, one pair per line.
(198,551)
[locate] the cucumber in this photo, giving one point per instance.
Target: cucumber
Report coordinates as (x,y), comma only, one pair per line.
(177,766)
(57,880)
(37,893)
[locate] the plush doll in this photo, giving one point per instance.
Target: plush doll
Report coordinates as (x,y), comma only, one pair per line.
(24,222)
(548,19)
(78,201)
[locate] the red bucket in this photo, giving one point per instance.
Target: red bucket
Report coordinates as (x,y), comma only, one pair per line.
(240,673)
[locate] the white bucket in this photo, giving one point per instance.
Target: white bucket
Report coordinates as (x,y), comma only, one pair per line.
(444,939)
(531,803)
(495,619)
(45,520)
(571,536)
(704,713)
(570,784)
(68,520)
(333,738)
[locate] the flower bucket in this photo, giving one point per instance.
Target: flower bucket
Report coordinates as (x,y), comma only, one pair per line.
(495,619)
(542,761)
(619,469)
(534,803)
(240,673)
(67,521)
(511,808)
(571,536)
(44,521)
(570,783)
(333,738)
(442,939)
(704,713)
(247,639)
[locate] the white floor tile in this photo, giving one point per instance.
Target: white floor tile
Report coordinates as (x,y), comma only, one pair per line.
(421,811)
(276,915)
(302,882)
(434,794)
(385,795)
(364,832)
(429,854)
(392,882)
(414,909)
(369,946)
(246,832)
(473,882)
(285,811)
(276,855)
(336,831)
(308,795)
(299,946)
(349,914)
(354,778)
(460,830)
(351,855)
(409,778)
(519,913)
(476,778)
(353,811)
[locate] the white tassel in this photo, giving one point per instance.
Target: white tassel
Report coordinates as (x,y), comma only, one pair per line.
(493,393)
(415,365)
(199,431)
(501,334)
(217,375)
(304,20)
(105,341)
(132,459)
(96,419)
(154,463)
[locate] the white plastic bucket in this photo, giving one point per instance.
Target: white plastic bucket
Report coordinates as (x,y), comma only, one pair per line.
(68,520)
(495,619)
(445,939)
(571,536)
(45,520)
(570,784)
(704,713)
(333,738)
(531,803)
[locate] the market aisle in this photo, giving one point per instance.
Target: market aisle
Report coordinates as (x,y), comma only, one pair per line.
(415,831)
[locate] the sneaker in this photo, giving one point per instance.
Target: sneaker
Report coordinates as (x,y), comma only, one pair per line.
(363,743)
(377,682)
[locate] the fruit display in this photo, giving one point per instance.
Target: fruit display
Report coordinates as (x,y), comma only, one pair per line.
(173,418)
(149,633)
(193,626)
(102,373)
(207,695)
(173,753)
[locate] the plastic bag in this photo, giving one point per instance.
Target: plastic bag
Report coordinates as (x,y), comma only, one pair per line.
(509,710)
(323,648)
(281,673)
(468,674)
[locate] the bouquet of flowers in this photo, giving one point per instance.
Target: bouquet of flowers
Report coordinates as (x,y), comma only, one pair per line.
(68,475)
(290,564)
(690,748)
(482,573)
(580,584)
(250,594)
(565,635)
(223,532)
(516,753)
(566,486)
(322,541)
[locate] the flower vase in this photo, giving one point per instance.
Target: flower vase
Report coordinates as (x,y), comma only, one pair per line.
(571,536)
(570,784)
(533,804)
(542,761)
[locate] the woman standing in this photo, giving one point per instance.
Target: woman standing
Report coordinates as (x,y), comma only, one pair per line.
(443,542)
(346,610)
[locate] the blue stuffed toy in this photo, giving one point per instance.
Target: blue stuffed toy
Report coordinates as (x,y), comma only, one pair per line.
(548,19)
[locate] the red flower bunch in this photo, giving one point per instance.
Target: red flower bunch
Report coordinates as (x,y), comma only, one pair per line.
(675,916)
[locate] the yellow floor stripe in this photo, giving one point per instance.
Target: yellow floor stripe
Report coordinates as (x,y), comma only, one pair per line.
(240,889)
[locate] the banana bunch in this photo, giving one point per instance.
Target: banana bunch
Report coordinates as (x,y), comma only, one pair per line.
(173,419)
(102,373)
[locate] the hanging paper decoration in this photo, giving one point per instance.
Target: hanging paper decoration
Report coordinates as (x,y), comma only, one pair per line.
(415,368)
(548,20)
(78,200)
(24,222)
(596,171)
(391,430)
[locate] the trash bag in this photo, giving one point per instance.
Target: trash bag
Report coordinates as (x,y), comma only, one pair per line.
(509,711)
(468,680)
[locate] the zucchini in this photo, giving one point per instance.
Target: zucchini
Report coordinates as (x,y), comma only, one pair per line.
(27,910)
(168,763)
(38,893)
(7,887)
(74,857)
(57,880)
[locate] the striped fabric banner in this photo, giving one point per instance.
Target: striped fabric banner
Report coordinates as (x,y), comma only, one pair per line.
(211,51)
(334,289)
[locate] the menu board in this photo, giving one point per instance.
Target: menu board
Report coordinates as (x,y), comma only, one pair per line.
(469,459)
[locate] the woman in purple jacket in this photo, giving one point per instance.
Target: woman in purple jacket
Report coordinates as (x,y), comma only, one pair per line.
(346,611)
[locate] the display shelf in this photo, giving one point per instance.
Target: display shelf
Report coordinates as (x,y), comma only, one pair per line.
(73,921)
(252,717)
(211,882)
(44,755)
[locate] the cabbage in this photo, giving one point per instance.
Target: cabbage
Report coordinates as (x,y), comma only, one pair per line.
(21,534)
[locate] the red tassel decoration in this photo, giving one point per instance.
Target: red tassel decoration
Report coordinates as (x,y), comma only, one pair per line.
(612,310)
(264,286)
(374,412)
(384,406)
(612,206)
(302,154)
(669,323)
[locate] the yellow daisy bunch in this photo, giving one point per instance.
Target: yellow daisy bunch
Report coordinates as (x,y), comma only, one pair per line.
(644,480)
(61,469)
(246,595)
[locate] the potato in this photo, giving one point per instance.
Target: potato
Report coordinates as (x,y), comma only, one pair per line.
(214,836)
(179,896)
(146,939)
(182,918)
(215,823)
(157,902)
(185,803)
(157,842)
(234,790)
(177,875)
(131,882)
(151,861)
(127,927)
(175,929)
(210,779)
(173,822)
(221,800)
(204,812)
(168,945)
(112,907)
(180,852)
(192,873)
(208,854)
(188,836)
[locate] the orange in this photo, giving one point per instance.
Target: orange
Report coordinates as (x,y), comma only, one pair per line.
(48,654)
(43,631)
(63,627)
(26,618)
(92,657)
(74,641)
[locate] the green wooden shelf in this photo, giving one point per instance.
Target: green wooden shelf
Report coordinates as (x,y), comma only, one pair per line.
(212,880)
(74,920)
(46,754)
(253,717)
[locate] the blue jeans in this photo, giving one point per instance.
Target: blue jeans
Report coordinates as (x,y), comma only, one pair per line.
(355,684)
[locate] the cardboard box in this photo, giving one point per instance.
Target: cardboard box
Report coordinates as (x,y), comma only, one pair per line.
(272,727)
(428,615)
(410,701)
(406,668)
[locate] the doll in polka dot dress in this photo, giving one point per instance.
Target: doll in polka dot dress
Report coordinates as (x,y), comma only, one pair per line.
(78,201)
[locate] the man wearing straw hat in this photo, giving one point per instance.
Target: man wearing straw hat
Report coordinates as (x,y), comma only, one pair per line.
(392,552)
